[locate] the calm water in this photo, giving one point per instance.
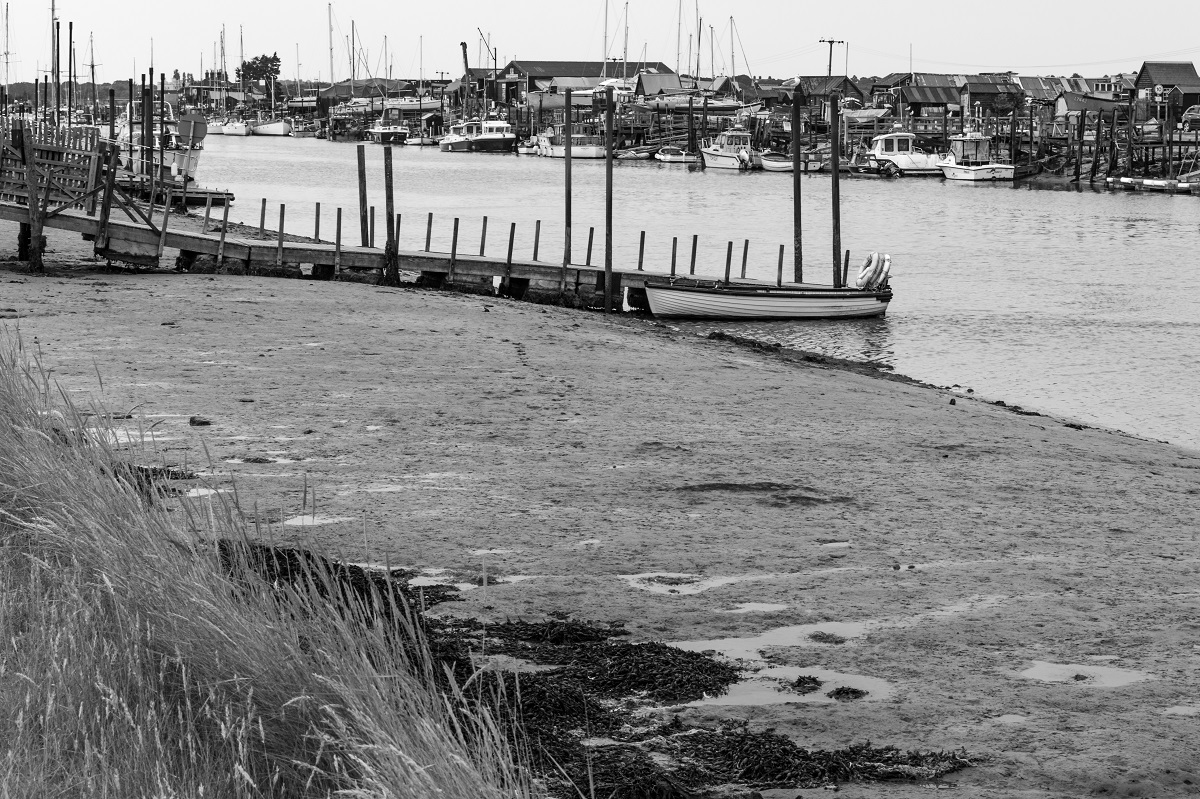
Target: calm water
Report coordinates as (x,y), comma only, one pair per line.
(1075,303)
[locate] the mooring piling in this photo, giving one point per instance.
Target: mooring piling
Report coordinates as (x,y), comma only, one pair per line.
(728,261)
(674,249)
(262,216)
(641,250)
(279,245)
(695,242)
(745,256)
(537,237)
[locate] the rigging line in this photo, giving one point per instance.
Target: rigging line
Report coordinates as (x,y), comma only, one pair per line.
(742,45)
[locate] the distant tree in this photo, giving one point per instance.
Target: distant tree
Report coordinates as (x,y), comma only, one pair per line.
(263,67)
(175,76)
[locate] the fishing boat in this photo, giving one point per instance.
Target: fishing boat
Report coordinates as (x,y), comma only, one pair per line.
(388,132)
(495,136)
(717,300)
(235,127)
(586,141)
(970,158)
(527,147)
(897,154)
(676,155)
(216,127)
(781,162)
(731,150)
(458,140)
(305,129)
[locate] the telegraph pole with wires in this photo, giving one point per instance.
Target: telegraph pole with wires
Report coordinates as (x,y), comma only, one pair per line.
(831,43)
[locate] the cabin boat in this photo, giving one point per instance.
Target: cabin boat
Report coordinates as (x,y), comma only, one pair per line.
(970,158)
(782,162)
(495,136)
(586,141)
(271,127)
(716,300)
(389,128)
(458,140)
(731,150)
(897,154)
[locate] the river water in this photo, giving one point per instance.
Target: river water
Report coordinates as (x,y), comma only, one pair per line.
(1073,303)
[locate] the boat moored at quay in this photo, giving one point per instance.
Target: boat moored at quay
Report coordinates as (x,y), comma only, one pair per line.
(732,149)
(693,299)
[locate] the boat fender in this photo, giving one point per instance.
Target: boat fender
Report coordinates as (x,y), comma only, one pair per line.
(868,269)
(884,271)
(743,156)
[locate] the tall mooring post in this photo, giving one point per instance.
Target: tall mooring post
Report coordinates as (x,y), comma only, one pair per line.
(562,282)
(609,144)
(835,118)
(797,175)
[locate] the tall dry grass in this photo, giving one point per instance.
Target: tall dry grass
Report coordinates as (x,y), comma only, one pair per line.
(133,666)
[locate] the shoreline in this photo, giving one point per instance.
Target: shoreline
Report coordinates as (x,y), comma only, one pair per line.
(699,491)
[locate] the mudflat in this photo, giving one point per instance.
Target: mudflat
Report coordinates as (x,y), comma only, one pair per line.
(1005,583)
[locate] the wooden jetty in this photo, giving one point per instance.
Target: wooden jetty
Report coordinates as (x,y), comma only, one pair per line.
(82,183)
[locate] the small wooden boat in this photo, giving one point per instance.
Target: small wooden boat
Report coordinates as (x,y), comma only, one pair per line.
(633,155)
(780,162)
(717,300)
(676,155)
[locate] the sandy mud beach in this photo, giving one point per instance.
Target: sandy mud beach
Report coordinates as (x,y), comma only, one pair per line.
(1009,584)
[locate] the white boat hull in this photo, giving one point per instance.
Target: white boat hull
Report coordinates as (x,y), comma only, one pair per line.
(752,302)
(216,128)
(276,127)
(578,151)
(986,172)
(235,129)
(719,159)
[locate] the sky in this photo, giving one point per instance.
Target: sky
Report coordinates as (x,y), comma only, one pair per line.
(779,38)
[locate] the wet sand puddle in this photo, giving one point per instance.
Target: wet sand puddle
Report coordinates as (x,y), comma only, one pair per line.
(776,685)
(431,481)
(754,607)
(312,520)
(1085,675)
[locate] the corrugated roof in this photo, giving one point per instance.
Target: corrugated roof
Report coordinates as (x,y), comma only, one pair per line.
(992,88)
(822,85)
(1168,73)
(584,69)
(929,95)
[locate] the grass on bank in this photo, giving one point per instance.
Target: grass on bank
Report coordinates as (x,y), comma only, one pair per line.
(133,666)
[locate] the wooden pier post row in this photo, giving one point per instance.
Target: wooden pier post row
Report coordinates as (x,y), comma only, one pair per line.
(362,195)
(207,214)
(512,238)
(453,248)
(797,174)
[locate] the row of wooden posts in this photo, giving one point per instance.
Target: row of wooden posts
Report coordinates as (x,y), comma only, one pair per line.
(393,220)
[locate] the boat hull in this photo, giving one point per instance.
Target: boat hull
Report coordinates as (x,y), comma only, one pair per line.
(457,145)
(277,127)
(725,160)
(494,144)
(752,302)
(385,136)
(216,128)
(978,174)
(578,151)
(235,129)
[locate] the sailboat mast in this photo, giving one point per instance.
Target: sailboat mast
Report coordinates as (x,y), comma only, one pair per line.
(732,59)
(625,51)
(330,8)
(421,67)
(678,35)
(92,68)
(604,59)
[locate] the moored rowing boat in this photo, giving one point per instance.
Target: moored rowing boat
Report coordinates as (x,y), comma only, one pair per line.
(749,301)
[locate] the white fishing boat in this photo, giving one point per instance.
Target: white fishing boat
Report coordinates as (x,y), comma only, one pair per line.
(216,127)
(495,136)
(586,142)
(421,141)
(271,127)
(458,140)
(897,154)
(781,162)
(970,158)
(527,147)
(731,149)
(676,155)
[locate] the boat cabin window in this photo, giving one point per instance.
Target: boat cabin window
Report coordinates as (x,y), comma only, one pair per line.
(889,145)
(902,145)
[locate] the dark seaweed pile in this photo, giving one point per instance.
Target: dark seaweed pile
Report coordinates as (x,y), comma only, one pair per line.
(590,689)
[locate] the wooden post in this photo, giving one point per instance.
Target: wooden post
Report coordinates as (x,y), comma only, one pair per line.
(262,218)
(728,261)
(797,174)
(745,256)
(224,229)
(835,197)
(371,236)
(846,270)
(207,215)
(483,237)
(512,237)
(1095,148)
(674,247)
(641,250)
(279,242)
(428,231)
(537,237)
(1111,167)
(112,113)
(609,145)
(695,241)
(110,181)
(779,272)
(390,258)
(591,236)
(35,209)
(362,195)
(317,224)
(562,281)
(454,248)
(337,243)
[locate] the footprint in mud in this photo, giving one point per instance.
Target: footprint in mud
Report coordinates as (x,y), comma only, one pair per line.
(779,495)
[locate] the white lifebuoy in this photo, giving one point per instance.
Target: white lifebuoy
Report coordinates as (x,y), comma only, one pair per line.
(885,271)
(868,270)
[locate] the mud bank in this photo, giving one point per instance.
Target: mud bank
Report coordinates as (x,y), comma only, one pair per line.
(987,570)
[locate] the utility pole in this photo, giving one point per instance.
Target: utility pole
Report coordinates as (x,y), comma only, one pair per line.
(831,43)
